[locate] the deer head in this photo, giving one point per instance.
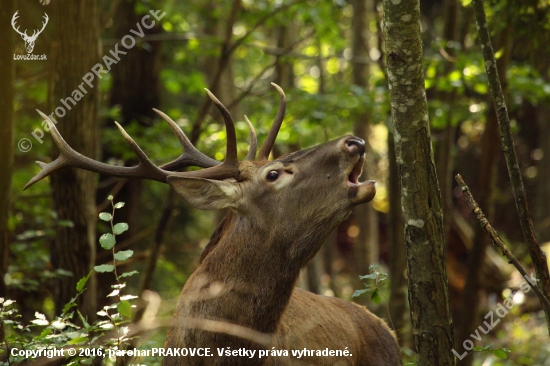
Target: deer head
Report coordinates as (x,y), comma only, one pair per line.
(318,186)
(29,40)
(280,213)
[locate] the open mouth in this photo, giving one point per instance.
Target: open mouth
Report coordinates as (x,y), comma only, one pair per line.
(353,177)
(359,192)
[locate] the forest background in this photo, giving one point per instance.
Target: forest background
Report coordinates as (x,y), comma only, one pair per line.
(329,57)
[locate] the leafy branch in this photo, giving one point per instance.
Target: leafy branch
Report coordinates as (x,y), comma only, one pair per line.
(42,334)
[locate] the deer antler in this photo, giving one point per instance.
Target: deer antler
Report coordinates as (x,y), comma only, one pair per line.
(70,158)
(272,135)
(13,19)
(229,168)
(190,156)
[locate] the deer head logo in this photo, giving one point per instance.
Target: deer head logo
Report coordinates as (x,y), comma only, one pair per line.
(29,40)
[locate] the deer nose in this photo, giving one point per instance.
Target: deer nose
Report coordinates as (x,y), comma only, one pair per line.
(355,145)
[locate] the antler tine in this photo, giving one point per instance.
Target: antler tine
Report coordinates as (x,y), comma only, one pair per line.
(253,141)
(69,158)
(60,162)
(270,139)
(190,155)
(231,150)
(143,159)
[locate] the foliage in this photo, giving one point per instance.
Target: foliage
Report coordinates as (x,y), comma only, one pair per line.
(322,104)
(373,288)
(80,341)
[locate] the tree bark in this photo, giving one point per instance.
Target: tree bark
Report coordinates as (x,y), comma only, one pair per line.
(421,200)
(397,261)
(74,190)
(6,126)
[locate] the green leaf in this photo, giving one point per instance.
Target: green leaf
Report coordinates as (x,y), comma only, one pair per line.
(358,293)
(375,297)
(110,197)
(120,228)
(119,205)
(128,274)
(107,241)
(500,353)
(82,282)
(105,216)
(104,268)
(125,308)
(45,332)
(79,340)
(65,223)
(123,255)
(83,320)
(369,276)
(68,307)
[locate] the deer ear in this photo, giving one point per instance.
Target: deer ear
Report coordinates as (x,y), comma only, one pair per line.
(205,194)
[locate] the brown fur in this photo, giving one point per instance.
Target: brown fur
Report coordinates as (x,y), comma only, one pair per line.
(243,291)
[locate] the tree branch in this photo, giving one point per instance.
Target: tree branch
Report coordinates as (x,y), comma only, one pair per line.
(486,225)
(262,21)
(537,255)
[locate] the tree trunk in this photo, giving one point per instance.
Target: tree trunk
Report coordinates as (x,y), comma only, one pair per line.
(365,216)
(445,144)
(284,69)
(542,210)
(6,126)
(421,200)
(136,91)
(74,190)
(469,317)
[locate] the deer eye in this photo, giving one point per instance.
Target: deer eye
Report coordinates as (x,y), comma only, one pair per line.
(272,176)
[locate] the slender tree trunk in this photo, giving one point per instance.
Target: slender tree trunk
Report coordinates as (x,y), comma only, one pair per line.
(74,190)
(537,255)
(136,91)
(469,318)
(421,200)
(6,128)
(396,236)
(365,216)
(445,144)
(284,69)
(542,210)
(216,74)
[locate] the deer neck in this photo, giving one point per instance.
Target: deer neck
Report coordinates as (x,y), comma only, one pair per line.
(249,273)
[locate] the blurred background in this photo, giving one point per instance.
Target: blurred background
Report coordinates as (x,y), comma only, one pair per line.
(328,56)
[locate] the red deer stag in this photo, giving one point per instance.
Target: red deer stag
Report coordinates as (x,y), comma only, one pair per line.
(242,296)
